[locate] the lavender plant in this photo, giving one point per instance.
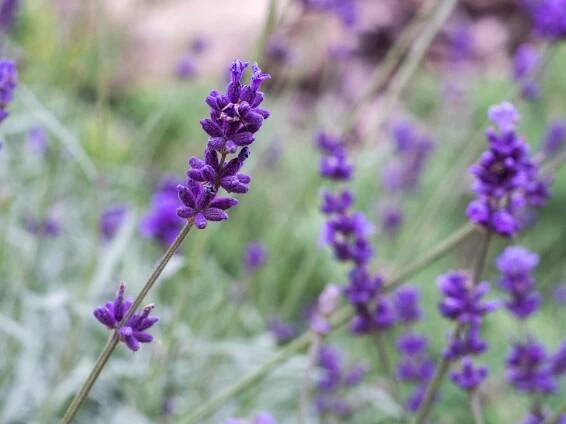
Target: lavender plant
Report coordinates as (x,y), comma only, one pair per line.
(234,119)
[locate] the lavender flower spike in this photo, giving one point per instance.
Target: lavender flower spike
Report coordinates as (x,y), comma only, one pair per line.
(234,119)
(8,82)
(133,332)
(507,180)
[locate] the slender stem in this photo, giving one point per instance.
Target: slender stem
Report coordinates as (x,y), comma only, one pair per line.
(338,319)
(445,362)
(386,365)
(305,388)
(388,64)
(435,253)
(114,339)
(414,58)
(475,404)
(432,389)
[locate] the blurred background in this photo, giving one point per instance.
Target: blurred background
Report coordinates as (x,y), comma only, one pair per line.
(106,115)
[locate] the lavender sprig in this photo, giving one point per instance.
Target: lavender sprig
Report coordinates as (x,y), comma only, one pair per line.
(8,82)
(232,114)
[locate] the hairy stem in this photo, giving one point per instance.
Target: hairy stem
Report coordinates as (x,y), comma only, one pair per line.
(338,319)
(114,339)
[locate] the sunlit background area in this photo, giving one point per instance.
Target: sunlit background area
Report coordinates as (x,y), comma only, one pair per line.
(388,99)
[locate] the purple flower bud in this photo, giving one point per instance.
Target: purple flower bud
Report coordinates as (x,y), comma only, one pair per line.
(468,377)
(254,256)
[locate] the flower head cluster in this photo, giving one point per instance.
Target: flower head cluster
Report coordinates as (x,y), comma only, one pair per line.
(548,17)
(374,311)
(415,366)
(525,64)
(111,220)
(161,221)
(412,151)
(555,138)
(134,330)
(333,380)
(406,305)
(254,256)
(528,368)
(506,179)
(334,164)
(463,304)
(469,377)
(8,82)
(234,119)
(516,264)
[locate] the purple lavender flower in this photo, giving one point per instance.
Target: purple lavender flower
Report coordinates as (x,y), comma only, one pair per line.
(8,11)
(334,379)
(506,179)
(548,17)
(186,67)
(528,369)
(111,220)
(254,256)
(406,304)
(469,377)
(264,418)
(516,265)
(412,151)
(554,138)
(466,342)
(234,119)
(236,116)
(37,140)
(462,301)
(46,227)
(161,221)
(334,164)
(202,205)
(525,64)
(282,331)
(133,332)
(8,82)
(558,361)
(339,203)
(415,367)
(330,360)
(391,220)
(355,375)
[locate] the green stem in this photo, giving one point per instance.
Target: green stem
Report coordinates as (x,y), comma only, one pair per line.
(338,319)
(114,339)
(387,65)
(445,362)
(475,404)
(432,389)
(387,367)
(414,58)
